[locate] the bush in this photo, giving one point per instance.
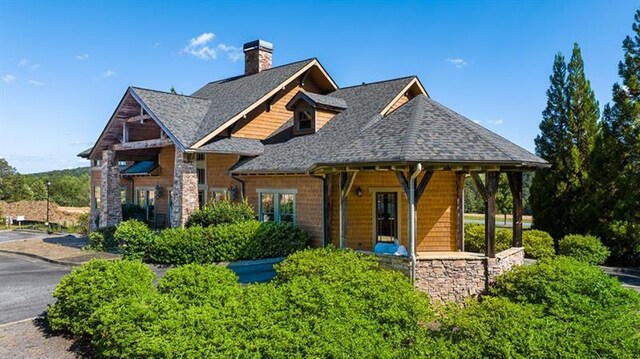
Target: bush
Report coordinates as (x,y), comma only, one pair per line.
(587,249)
(135,238)
(227,242)
(81,226)
(103,239)
(215,213)
(565,287)
(538,244)
(623,239)
(196,284)
(92,285)
(133,211)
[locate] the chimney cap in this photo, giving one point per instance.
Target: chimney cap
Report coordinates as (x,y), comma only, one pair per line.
(260,44)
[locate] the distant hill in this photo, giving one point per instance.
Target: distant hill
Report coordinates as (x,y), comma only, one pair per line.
(74,172)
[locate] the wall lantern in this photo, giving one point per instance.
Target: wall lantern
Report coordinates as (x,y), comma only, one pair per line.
(359,191)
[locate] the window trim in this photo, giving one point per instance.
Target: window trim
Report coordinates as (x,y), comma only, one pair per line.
(276,203)
(296,120)
(218,189)
(400,196)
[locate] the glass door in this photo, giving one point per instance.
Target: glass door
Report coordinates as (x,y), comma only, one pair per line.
(386,217)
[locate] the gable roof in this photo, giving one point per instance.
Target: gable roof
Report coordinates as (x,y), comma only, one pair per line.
(315,99)
(425,131)
(234,145)
(299,154)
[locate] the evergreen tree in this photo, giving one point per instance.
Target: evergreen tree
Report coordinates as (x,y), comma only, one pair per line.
(616,160)
(504,200)
(549,185)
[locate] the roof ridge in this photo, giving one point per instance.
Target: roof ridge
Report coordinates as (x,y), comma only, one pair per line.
(416,113)
(168,93)
(470,125)
(237,77)
(377,82)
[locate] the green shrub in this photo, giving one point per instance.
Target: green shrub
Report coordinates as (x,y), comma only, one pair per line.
(587,249)
(81,226)
(227,242)
(623,239)
(565,287)
(92,285)
(195,284)
(135,238)
(537,244)
(133,211)
(214,213)
(103,239)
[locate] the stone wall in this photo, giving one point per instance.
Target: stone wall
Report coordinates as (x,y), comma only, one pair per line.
(400,264)
(454,278)
(110,203)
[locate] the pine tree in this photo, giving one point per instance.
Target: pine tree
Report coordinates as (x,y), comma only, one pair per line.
(549,185)
(616,159)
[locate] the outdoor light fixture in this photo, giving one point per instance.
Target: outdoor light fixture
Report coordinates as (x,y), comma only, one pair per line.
(359,191)
(47,223)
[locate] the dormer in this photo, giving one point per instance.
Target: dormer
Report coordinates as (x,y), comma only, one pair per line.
(311,111)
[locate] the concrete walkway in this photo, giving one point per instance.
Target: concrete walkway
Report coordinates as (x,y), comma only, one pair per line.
(63,249)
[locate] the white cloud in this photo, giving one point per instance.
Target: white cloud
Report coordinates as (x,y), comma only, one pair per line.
(156,45)
(35,83)
(8,78)
(83,56)
(108,73)
(23,62)
(233,53)
(495,122)
(458,62)
(198,47)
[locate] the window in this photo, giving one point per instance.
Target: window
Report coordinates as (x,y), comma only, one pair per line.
(96,196)
(199,156)
(123,195)
(201,175)
(277,205)
(96,163)
(146,198)
(122,163)
(218,194)
(305,117)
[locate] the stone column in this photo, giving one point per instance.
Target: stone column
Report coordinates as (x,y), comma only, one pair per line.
(110,206)
(94,213)
(184,197)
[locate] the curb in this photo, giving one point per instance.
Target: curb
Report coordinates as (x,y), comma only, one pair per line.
(54,261)
(621,270)
(17,322)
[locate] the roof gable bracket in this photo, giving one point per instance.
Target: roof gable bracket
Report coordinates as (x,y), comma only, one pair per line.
(479,185)
(423,184)
(155,118)
(269,104)
(304,77)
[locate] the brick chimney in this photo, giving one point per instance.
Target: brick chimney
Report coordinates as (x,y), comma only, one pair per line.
(257,56)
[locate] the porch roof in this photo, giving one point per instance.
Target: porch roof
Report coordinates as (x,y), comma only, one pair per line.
(427,132)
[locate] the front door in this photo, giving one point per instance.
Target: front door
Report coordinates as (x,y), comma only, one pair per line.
(386,217)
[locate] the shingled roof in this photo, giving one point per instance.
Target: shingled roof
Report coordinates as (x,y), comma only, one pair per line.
(318,100)
(236,145)
(299,154)
(425,131)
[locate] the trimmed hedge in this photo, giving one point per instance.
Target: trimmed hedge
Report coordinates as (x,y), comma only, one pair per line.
(221,212)
(103,239)
(537,244)
(135,238)
(91,286)
(587,249)
(227,242)
(195,284)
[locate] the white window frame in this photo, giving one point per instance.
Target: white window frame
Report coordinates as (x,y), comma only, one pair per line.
(213,190)
(276,203)
(136,201)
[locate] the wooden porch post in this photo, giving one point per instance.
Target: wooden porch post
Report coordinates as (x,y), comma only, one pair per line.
(515,183)
(490,213)
(460,211)
(346,181)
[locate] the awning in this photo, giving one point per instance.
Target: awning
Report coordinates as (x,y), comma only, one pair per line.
(140,168)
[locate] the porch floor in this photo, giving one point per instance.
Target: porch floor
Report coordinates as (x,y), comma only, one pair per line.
(449,255)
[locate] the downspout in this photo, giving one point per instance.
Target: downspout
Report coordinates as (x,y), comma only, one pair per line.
(323,177)
(412,220)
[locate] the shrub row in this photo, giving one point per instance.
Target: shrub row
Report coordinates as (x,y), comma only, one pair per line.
(220,212)
(537,244)
(332,303)
(587,249)
(224,242)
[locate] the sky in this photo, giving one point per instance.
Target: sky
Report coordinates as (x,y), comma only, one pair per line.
(64,65)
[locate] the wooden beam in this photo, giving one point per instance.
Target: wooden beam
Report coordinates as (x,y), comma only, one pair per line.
(423,184)
(460,211)
(346,181)
(139,118)
(479,185)
(490,214)
(158,142)
(403,182)
(346,186)
(515,183)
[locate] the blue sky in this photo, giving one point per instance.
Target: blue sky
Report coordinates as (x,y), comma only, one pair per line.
(65,65)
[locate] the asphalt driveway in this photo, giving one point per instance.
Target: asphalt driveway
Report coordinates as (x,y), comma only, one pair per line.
(7,235)
(26,285)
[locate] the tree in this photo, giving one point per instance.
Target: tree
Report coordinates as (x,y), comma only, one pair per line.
(504,200)
(568,132)
(616,160)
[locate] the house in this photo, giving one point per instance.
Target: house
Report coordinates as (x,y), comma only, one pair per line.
(354,166)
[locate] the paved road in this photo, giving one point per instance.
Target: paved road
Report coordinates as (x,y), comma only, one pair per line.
(499,223)
(26,285)
(7,235)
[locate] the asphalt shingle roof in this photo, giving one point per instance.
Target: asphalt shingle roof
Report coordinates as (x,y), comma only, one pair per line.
(230,96)
(318,99)
(425,131)
(298,154)
(242,146)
